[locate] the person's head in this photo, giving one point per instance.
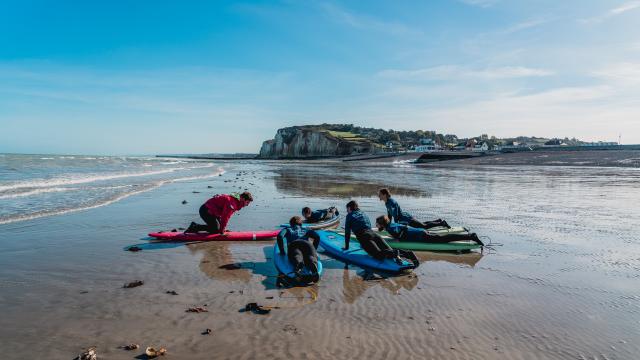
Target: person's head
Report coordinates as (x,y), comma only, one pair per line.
(306,212)
(295,221)
(382,222)
(384,194)
(246,198)
(352,206)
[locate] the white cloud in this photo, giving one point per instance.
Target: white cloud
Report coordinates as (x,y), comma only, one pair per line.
(625,7)
(531,23)
(361,21)
(620,74)
(480,3)
(591,112)
(613,12)
(449,72)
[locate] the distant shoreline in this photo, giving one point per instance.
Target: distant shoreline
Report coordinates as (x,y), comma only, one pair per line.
(628,156)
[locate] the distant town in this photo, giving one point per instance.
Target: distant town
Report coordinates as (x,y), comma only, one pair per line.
(353,142)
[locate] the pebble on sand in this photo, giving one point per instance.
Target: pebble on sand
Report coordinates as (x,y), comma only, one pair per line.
(152,352)
(197,309)
(88,354)
(133,284)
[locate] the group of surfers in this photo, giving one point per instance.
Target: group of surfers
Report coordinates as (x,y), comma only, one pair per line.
(301,242)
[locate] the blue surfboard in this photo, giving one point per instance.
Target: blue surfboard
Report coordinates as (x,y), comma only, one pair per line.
(285,267)
(333,243)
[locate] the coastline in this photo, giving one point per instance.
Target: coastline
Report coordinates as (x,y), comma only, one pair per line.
(541,157)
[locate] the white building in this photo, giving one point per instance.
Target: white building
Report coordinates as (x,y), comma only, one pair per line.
(480,147)
(427,148)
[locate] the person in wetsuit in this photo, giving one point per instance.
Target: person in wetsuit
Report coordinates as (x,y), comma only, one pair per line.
(396,214)
(403,232)
(217,211)
(358,223)
(314,216)
(301,246)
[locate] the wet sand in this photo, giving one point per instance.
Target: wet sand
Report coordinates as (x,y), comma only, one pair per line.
(564,284)
(612,158)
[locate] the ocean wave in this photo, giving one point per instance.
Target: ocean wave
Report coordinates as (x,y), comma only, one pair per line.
(43,213)
(36,192)
(103,202)
(55,182)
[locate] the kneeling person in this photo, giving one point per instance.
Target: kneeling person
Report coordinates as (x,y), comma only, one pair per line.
(217,211)
(407,233)
(301,246)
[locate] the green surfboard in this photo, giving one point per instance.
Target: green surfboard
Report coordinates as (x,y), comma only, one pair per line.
(422,246)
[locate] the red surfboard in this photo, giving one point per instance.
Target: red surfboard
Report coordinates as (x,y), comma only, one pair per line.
(227,236)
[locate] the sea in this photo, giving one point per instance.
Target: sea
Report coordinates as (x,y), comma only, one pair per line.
(33,186)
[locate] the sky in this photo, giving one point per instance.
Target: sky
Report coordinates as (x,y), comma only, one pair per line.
(149,77)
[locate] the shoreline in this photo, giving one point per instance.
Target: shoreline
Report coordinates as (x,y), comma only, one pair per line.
(541,157)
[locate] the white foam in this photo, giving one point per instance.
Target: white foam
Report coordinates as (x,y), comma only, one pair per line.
(66,211)
(105,202)
(36,192)
(44,183)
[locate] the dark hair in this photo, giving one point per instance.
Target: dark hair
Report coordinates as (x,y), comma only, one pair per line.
(383,220)
(295,220)
(353,205)
(306,210)
(246,196)
(385,192)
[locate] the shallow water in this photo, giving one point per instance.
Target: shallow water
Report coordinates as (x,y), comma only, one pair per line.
(33,186)
(563,283)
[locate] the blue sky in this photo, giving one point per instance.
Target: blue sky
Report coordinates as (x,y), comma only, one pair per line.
(149,77)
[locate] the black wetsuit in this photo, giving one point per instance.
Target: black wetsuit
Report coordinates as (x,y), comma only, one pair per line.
(411,234)
(396,214)
(213,223)
(301,246)
(370,242)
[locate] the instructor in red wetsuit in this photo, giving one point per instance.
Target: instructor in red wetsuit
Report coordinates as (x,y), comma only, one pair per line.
(217,211)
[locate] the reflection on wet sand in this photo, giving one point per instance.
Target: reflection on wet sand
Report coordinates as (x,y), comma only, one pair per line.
(215,257)
(469,259)
(356,283)
(240,261)
(315,183)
